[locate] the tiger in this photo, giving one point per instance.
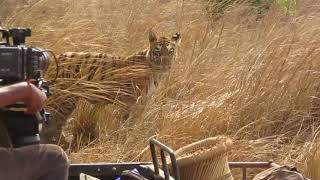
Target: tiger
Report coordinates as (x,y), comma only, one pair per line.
(135,76)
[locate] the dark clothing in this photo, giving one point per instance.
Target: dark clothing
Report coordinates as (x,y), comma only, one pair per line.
(34,162)
(4,136)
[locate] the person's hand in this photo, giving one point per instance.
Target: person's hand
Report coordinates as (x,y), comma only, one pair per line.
(35,99)
(29,94)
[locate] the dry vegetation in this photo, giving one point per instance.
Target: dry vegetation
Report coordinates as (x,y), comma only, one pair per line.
(256,81)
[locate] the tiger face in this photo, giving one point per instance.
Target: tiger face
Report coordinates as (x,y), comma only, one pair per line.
(162,51)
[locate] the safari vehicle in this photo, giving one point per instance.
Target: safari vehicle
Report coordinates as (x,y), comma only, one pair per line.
(150,170)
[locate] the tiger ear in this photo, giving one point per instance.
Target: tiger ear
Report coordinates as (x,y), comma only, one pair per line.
(176,37)
(152,38)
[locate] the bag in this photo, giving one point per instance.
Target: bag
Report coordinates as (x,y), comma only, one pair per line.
(87,177)
(131,175)
(280,173)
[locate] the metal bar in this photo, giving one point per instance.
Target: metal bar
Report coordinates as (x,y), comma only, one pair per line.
(111,164)
(175,166)
(172,154)
(245,165)
(244,173)
(154,158)
(252,164)
(164,165)
(162,146)
(103,169)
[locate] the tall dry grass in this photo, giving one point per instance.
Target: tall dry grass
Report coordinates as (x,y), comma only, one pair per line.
(256,81)
(312,164)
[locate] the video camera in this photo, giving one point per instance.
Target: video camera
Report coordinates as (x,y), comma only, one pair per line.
(18,63)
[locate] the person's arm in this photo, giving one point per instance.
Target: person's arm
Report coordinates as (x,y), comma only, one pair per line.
(29,94)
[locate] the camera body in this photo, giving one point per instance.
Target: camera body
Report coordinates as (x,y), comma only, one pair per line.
(18,63)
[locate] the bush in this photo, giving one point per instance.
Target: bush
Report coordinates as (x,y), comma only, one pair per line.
(289,6)
(216,7)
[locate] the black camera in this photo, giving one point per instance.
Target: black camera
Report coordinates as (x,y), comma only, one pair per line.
(18,63)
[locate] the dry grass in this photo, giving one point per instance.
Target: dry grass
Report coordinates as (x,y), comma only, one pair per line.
(255,81)
(312,163)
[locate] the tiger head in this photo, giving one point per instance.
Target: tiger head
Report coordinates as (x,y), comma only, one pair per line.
(162,51)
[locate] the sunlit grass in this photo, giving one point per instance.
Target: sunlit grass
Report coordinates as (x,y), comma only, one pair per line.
(253,79)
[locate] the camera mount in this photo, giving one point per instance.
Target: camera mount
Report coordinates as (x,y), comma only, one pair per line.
(18,35)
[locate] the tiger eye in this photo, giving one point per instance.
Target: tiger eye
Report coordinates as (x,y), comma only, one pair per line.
(158,48)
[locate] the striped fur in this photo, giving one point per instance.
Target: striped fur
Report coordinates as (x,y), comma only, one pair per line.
(153,62)
(137,74)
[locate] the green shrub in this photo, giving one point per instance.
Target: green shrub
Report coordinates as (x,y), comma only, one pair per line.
(216,7)
(289,6)
(262,5)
